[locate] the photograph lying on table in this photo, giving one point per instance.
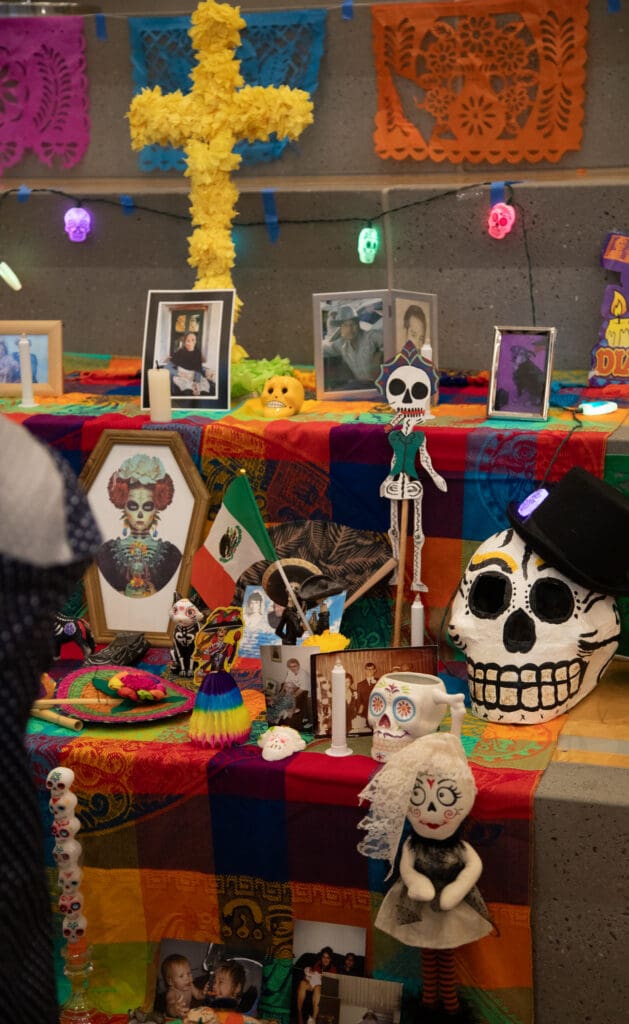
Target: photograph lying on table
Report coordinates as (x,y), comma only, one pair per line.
(320,948)
(45,351)
(202,974)
(521,372)
(150,504)
(348,1000)
(287,685)
(363,669)
(189,334)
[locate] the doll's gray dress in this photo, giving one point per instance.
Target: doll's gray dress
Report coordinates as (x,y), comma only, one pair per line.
(47,537)
(424,924)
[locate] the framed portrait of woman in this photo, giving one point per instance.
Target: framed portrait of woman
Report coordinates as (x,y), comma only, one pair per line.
(150,504)
(189,333)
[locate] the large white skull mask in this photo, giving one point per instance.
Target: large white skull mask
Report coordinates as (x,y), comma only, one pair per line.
(535,642)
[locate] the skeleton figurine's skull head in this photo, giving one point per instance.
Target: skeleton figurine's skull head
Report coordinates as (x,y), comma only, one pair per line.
(535,642)
(408,391)
(402,706)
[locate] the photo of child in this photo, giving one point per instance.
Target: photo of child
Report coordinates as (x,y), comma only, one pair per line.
(208,976)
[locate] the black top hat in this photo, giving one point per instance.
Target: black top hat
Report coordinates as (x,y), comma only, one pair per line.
(581,528)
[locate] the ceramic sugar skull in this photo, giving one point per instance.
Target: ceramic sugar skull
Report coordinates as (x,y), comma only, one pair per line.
(280,741)
(66,853)
(65,828)
(71,902)
(281,397)
(73,928)
(63,807)
(403,706)
(70,879)
(535,642)
(59,781)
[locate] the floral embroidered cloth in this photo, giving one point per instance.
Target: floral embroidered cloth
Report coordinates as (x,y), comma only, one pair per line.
(43,90)
(480,80)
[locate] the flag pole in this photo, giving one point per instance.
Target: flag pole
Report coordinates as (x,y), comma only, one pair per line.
(296,604)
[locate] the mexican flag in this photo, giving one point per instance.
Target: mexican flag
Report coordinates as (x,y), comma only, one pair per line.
(236,540)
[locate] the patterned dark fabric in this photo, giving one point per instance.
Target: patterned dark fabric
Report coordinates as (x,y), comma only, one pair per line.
(29,597)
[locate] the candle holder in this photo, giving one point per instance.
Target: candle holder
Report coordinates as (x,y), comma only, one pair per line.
(77,969)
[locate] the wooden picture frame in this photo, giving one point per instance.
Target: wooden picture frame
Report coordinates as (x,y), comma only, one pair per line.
(521,373)
(151,505)
(45,337)
(355,662)
(200,370)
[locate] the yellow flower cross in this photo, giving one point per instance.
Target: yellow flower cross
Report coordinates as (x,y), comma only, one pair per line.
(219,111)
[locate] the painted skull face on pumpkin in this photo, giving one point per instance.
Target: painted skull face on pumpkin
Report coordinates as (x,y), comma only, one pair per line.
(535,642)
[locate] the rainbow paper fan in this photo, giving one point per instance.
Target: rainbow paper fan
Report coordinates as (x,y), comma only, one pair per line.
(220,718)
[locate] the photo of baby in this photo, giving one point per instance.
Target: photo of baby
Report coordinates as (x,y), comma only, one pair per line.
(193,975)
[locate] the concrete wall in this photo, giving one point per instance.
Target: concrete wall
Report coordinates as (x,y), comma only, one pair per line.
(99,288)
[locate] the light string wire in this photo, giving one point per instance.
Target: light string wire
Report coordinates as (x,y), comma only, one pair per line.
(140,207)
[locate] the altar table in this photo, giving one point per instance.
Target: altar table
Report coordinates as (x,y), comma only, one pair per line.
(173,835)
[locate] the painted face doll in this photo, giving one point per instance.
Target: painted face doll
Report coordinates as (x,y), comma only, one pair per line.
(434,904)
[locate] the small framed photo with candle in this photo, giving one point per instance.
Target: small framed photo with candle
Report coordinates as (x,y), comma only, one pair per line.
(151,504)
(42,342)
(521,372)
(188,334)
(363,668)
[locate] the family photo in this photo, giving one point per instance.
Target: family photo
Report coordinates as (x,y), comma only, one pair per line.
(351,334)
(321,949)
(199,974)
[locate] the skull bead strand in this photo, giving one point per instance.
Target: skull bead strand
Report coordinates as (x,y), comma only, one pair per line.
(66,854)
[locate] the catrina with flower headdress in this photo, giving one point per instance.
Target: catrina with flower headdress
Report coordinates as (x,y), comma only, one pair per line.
(434,904)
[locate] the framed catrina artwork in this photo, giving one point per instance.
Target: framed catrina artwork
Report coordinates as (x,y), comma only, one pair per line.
(151,505)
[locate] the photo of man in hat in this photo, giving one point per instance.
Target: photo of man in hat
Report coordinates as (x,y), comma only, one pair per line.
(358,346)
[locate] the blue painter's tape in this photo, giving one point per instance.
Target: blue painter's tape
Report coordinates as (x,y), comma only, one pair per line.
(613,6)
(101,26)
(127,203)
(497,192)
(347,9)
(23,193)
(270,213)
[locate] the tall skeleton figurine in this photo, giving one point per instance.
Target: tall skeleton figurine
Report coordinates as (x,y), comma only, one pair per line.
(407,388)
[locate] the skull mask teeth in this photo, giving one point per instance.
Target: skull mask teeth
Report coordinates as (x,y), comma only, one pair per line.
(535,642)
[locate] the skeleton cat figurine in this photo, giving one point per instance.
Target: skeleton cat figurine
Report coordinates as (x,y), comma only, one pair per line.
(187,619)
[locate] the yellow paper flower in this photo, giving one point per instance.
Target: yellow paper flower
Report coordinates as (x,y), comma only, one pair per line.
(207,123)
(327,642)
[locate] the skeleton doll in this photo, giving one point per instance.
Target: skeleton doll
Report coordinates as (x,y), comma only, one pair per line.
(535,642)
(187,619)
(407,388)
(434,904)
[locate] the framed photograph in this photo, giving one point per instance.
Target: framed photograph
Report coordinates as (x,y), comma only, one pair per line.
(352,332)
(223,978)
(190,334)
(46,356)
(521,372)
(151,505)
(363,669)
(415,319)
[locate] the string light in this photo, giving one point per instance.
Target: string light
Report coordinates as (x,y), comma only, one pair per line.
(368,244)
(500,220)
(10,277)
(77,223)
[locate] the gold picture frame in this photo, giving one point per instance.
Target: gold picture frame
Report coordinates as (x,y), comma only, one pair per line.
(45,337)
(151,505)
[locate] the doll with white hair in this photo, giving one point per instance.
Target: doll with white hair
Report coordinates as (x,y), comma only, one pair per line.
(434,904)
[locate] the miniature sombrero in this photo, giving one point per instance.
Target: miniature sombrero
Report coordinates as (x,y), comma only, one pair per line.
(297,572)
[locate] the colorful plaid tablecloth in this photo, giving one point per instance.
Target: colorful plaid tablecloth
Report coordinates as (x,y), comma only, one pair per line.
(190,844)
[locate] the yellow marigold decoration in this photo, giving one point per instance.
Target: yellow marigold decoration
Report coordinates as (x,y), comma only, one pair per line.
(219,111)
(327,642)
